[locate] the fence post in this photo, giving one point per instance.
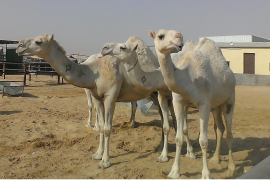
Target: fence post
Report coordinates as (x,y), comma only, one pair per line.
(24,75)
(4,64)
(58,78)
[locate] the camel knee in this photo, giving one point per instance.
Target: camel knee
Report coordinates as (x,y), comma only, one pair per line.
(229,136)
(166,130)
(107,131)
(203,143)
(179,141)
(222,129)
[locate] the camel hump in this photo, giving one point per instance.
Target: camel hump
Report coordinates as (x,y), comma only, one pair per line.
(189,45)
(176,57)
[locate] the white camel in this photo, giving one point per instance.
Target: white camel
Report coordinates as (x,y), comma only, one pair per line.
(90,103)
(106,78)
(146,81)
(202,77)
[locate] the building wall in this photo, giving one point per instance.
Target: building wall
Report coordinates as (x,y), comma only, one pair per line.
(236,58)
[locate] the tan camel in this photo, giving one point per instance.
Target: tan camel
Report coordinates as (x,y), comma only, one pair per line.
(149,81)
(90,103)
(202,77)
(106,78)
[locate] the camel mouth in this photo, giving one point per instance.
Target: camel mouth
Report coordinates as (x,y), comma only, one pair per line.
(106,53)
(21,52)
(106,50)
(179,48)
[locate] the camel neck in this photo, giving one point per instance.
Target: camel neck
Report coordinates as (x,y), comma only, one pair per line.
(150,81)
(170,71)
(76,74)
(133,66)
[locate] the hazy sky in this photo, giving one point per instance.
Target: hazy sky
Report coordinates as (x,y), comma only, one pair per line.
(84,26)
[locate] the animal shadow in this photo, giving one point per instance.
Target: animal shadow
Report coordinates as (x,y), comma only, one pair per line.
(9,112)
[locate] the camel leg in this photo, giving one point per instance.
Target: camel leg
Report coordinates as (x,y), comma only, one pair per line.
(227,110)
(204,111)
(173,114)
(154,98)
(90,105)
(219,130)
(97,123)
(163,101)
(100,112)
(109,104)
(133,112)
(190,153)
(179,109)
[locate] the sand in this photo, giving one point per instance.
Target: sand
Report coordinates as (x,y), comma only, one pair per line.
(42,135)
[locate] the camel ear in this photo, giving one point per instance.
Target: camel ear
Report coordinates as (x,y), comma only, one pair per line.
(135,48)
(51,37)
(152,34)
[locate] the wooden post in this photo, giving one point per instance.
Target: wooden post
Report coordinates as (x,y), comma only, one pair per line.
(58,78)
(29,75)
(24,75)
(4,64)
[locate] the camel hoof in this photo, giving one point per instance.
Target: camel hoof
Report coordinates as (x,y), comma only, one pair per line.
(231,168)
(206,175)
(162,159)
(104,164)
(191,155)
(132,124)
(88,125)
(214,160)
(96,128)
(97,156)
(174,174)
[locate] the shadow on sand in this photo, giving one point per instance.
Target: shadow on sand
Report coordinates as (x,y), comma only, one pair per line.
(257,149)
(9,112)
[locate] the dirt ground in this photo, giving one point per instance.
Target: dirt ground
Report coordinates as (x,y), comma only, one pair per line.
(42,135)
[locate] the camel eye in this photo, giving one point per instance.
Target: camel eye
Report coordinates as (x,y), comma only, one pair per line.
(122,48)
(161,37)
(38,42)
(20,45)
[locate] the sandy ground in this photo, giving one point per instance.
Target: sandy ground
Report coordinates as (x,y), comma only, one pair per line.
(42,135)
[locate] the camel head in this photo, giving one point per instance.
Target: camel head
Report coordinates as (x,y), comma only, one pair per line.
(122,51)
(167,40)
(39,46)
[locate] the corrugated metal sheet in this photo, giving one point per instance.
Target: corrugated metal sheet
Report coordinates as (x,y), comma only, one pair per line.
(237,38)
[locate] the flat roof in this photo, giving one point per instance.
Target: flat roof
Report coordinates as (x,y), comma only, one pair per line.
(237,38)
(244,45)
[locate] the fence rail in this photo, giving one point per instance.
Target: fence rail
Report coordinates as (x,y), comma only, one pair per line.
(30,68)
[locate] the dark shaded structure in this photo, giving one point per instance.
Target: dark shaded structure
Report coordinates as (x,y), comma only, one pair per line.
(13,62)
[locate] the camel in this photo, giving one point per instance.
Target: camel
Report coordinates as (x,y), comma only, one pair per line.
(146,81)
(90,103)
(202,77)
(106,78)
